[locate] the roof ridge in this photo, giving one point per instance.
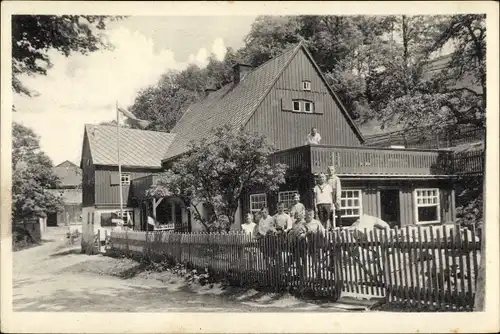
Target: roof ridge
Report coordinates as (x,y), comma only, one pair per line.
(127,129)
(191,108)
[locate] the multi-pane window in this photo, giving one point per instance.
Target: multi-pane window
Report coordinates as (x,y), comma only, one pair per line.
(350,203)
(306,85)
(125,179)
(303,106)
(287,198)
(257,202)
(427,205)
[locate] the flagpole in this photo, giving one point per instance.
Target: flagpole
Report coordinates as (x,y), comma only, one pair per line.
(119,164)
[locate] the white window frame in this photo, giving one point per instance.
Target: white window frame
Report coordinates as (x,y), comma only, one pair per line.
(306,85)
(293,106)
(311,107)
(125,182)
(426,198)
(290,193)
(129,213)
(352,207)
(252,202)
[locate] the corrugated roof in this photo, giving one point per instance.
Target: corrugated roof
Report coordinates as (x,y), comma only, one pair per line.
(69,174)
(138,148)
(232,104)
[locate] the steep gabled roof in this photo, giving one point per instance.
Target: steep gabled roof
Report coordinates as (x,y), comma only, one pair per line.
(69,174)
(232,104)
(138,148)
(67,163)
(235,104)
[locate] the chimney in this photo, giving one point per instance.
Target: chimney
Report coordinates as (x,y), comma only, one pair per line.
(209,90)
(239,71)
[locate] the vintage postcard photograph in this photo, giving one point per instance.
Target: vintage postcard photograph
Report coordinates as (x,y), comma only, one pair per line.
(249,167)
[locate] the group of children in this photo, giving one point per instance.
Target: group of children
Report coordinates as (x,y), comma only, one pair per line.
(298,222)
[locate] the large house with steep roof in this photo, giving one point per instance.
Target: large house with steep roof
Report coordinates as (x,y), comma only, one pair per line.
(283,99)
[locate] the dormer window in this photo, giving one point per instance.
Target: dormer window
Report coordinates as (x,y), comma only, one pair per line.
(296,106)
(306,85)
(301,105)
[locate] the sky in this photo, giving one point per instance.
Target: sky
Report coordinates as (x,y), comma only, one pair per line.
(82,89)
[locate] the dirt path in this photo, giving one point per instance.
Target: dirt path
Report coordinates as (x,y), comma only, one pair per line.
(55,277)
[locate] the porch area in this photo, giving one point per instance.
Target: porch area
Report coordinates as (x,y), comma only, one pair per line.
(367,161)
(167,213)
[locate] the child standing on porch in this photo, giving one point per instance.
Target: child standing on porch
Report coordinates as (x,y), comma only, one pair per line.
(323,200)
(334,182)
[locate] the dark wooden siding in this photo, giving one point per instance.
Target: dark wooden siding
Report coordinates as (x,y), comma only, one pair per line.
(370,201)
(88,174)
(141,185)
(406,204)
(287,129)
(109,195)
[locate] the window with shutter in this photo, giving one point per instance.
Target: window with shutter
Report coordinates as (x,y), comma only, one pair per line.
(286,104)
(114,178)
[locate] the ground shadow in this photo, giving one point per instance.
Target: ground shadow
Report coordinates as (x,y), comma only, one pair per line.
(67,252)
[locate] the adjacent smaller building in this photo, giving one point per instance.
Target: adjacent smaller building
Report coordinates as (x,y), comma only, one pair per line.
(70,190)
(140,156)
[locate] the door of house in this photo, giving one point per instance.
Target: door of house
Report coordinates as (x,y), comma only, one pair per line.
(390,207)
(52,219)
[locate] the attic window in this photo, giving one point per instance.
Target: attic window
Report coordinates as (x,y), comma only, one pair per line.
(306,85)
(296,105)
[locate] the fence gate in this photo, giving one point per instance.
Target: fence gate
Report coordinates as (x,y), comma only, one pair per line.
(360,265)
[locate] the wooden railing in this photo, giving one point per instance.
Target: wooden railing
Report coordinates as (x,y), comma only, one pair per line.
(431,266)
(380,161)
(296,158)
(466,163)
(429,138)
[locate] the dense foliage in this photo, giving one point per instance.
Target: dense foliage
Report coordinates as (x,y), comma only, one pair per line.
(34,35)
(217,172)
(32,175)
(379,65)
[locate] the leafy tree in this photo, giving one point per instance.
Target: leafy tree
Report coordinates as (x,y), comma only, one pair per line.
(268,37)
(34,35)
(164,103)
(456,93)
(217,171)
(32,176)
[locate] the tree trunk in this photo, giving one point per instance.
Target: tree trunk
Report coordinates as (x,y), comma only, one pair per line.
(405,51)
(481,277)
